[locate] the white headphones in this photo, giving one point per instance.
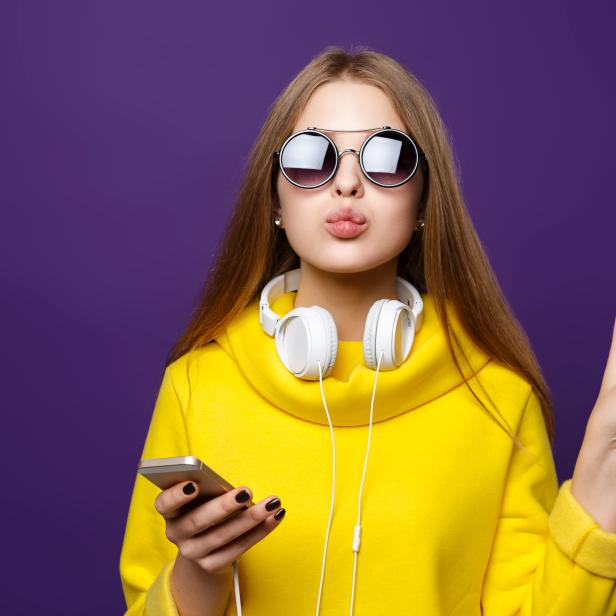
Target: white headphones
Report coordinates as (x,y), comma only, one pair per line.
(306,335)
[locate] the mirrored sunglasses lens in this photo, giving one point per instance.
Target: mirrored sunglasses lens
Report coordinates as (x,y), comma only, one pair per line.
(389,158)
(308,159)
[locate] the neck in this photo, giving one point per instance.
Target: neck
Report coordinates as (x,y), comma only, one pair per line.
(347,296)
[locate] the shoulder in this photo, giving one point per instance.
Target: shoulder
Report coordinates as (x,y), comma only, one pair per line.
(510,392)
(191,367)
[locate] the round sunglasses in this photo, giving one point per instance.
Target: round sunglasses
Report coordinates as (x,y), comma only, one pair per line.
(309,158)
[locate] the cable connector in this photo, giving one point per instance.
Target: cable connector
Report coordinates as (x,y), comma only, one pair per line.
(356,538)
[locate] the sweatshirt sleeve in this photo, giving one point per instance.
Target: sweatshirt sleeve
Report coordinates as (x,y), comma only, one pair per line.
(147,556)
(549,556)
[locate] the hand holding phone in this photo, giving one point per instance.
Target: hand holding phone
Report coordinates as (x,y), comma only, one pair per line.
(215,523)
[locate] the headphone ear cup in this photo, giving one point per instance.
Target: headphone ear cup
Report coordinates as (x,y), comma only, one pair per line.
(331,343)
(369,343)
(390,327)
(304,336)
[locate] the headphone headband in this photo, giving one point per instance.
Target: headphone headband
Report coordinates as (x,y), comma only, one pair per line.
(289,281)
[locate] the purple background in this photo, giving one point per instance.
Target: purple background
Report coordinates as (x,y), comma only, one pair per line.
(112,204)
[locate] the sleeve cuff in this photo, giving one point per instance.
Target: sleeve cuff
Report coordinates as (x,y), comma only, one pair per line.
(159,599)
(580,536)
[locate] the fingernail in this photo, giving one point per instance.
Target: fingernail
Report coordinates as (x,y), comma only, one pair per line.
(189,488)
(275,502)
(280,514)
(242,496)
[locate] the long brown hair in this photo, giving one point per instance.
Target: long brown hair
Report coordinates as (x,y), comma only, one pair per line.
(445,259)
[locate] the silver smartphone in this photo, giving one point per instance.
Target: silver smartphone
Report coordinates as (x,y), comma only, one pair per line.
(166,472)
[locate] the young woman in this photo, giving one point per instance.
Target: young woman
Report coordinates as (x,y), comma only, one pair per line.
(353,359)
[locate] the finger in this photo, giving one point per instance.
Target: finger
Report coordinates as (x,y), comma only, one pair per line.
(219,560)
(229,530)
(170,501)
(609,376)
(210,513)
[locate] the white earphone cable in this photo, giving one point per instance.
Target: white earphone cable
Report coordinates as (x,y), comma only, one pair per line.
(238,601)
(356,535)
(357,530)
(331,509)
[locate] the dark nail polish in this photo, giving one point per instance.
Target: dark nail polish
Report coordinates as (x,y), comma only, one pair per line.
(273,504)
(242,496)
(189,488)
(280,514)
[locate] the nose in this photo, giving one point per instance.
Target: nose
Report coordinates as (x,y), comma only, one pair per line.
(348,176)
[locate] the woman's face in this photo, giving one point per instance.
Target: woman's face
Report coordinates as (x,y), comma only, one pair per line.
(390,213)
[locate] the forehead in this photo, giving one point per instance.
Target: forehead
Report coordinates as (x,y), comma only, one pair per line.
(348,106)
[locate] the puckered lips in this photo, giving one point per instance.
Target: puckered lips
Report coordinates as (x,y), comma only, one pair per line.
(346,222)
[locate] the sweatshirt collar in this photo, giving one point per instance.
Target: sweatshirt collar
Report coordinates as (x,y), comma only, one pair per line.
(428,372)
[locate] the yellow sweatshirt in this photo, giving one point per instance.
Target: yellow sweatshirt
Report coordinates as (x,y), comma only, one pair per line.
(454,520)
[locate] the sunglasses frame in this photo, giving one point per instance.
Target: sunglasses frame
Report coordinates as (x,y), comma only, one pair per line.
(313,129)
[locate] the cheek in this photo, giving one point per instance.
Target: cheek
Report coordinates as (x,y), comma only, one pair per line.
(301,223)
(300,212)
(392,233)
(396,216)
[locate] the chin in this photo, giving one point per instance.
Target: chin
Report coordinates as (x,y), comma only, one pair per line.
(337,265)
